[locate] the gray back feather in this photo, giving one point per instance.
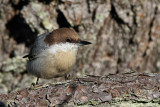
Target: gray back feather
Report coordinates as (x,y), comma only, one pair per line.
(38,46)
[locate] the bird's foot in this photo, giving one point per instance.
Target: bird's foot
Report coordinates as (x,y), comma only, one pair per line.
(37,86)
(68,77)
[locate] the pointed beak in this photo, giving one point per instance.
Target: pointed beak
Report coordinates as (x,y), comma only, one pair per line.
(84,43)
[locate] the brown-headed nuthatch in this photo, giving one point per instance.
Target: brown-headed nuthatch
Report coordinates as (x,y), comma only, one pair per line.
(53,54)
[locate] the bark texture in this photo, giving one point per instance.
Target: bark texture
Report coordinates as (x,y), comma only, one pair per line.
(138,89)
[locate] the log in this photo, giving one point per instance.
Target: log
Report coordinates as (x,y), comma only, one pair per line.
(130,88)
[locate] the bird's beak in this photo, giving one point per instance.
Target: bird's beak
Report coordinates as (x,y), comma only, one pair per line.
(84,43)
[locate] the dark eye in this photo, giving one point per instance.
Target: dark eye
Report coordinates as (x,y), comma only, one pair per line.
(68,40)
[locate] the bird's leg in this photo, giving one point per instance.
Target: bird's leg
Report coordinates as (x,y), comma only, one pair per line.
(37,80)
(36,85)
(67,76)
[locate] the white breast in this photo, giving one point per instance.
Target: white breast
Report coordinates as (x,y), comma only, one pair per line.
(56,60)
(62,47)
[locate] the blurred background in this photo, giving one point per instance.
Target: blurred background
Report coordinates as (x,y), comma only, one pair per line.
(125,36)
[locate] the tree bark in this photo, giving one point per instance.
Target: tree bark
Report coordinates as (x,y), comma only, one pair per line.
(112,90)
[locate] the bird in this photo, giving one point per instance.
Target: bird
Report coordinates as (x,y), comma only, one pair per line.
(53,54)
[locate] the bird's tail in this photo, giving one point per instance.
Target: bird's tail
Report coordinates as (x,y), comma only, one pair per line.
(26,56)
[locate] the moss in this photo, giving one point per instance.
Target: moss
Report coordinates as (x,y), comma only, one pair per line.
(93,102)
(131,104)
(47,24)
(16,64)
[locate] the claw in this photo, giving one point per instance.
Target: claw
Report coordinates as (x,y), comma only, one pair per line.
(35,87)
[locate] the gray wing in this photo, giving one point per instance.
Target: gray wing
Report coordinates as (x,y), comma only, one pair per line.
(38,46)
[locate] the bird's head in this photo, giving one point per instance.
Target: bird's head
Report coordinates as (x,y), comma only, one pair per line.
(64,39)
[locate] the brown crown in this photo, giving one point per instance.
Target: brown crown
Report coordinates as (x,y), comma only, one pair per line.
(62,35)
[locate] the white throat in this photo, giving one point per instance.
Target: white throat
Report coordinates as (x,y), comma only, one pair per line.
(63,47)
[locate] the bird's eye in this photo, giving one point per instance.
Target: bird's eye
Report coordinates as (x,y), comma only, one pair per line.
(68,40)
